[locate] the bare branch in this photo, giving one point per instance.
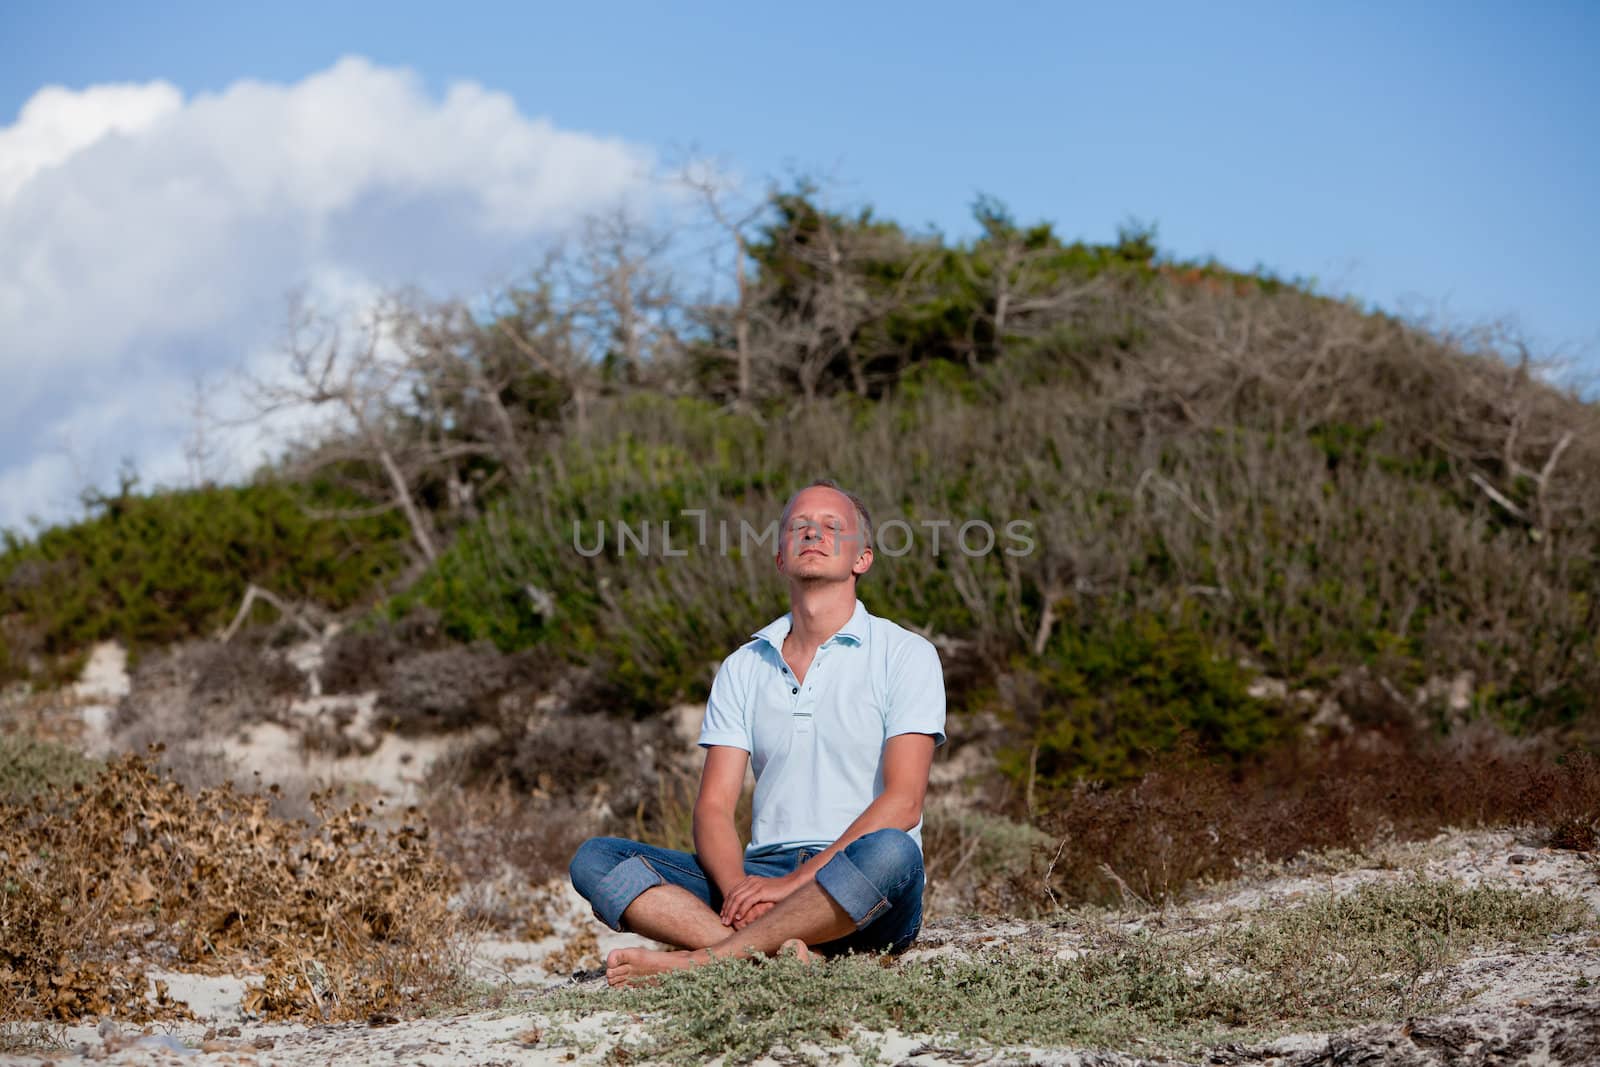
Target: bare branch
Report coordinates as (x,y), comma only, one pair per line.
(251,595)
(1498,497)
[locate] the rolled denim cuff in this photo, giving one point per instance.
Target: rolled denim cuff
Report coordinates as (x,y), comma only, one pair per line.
(621,887)
(852,890)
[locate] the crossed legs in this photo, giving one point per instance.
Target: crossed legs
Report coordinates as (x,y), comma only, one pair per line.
(674,916)
(869,897)
(808,916)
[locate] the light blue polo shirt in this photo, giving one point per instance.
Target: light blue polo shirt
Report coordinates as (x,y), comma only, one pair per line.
(817,747)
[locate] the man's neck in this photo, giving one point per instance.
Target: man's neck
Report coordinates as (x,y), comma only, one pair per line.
(817,613)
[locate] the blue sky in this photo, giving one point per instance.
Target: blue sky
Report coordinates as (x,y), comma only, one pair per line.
(1431,158)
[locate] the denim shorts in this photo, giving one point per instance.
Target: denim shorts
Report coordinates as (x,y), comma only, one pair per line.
(877,879)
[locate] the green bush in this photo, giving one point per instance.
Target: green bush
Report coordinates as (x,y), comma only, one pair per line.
(163,567)
(1105,698)
(652,628)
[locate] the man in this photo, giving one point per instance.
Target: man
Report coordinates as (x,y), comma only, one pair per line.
(838,712)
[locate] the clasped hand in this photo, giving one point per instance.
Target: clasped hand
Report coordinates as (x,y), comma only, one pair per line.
(754,896)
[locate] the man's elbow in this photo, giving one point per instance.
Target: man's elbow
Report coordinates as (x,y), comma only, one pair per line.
(905,812)
(711,813)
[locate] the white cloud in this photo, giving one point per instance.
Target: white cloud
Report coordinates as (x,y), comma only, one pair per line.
(146,239)
(57,123)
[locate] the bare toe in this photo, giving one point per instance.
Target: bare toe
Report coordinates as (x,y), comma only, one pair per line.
(617,968)
(801,950)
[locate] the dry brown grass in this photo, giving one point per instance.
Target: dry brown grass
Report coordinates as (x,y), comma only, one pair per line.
(508,847)
(1189,820)
(341,920)
(971,857)
(667,820)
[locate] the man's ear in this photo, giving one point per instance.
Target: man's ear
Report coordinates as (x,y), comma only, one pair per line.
(863,562)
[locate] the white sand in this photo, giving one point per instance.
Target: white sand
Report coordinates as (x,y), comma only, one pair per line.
(102,684)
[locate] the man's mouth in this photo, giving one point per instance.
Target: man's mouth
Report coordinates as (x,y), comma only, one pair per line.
(813,551)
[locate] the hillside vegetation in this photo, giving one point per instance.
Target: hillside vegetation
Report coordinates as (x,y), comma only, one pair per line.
(1240,497)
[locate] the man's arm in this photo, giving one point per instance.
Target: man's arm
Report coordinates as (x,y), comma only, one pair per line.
(716,834)
(907,759)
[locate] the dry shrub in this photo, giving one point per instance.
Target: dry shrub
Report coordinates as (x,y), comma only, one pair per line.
(1574,833)
(667,819)
(1189,820)
(336,730)
(970,854)
(426,682)
(450,688)
(41,979)
(344,919)
(511,811)
(242,671)
(205,687)
(481,831)
(356,660)
(581,953)
(608,762)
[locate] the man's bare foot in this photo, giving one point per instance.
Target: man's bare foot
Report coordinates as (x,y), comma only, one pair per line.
(799,948)
(639,966)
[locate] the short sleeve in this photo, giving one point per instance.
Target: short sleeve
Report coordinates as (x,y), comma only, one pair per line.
(727,720)
(916,691)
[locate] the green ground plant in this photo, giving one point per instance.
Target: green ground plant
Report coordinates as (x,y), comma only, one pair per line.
(1380,952)
(29,766)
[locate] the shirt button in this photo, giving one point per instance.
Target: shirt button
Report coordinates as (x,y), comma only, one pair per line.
(796,689)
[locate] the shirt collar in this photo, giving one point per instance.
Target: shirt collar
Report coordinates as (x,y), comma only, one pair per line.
(855,628)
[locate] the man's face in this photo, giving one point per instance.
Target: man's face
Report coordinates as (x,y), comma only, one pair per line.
(822,539)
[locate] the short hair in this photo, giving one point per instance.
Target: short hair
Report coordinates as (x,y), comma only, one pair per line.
(863,517)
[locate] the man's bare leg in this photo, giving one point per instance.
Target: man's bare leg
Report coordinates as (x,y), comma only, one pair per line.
(808,915)
(673,915)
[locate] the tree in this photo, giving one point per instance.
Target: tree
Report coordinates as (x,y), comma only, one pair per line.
(357,374)
(622,293)
(717,196)
(829,288)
